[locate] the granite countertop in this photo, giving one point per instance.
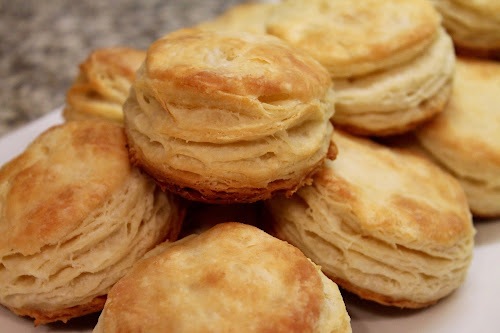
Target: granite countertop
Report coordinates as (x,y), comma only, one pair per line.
(42,43)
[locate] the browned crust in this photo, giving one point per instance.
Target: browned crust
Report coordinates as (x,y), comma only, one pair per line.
(240,195)
(44,317)
(484,215)
(379,298)
(428,109)
(233,195)
(486,53)
(178,220)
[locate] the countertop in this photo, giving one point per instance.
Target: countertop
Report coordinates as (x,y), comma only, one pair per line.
(43,42)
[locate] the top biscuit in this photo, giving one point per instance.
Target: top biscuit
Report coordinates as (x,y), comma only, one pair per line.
(352,38)
(229,117)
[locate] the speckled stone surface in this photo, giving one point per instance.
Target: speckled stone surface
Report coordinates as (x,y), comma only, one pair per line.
(42,43)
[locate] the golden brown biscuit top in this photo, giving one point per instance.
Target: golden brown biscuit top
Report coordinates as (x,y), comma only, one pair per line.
(232,278)
(356,37)
(60,178)
(470,125)
(236,63)
(396,195)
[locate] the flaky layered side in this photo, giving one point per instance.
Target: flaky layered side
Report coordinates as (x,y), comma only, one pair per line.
(473,25)
(229,117)
(103,84)
(385,224)
(465,138)
(398,99)
(227,279)
(391,62)
(75,217)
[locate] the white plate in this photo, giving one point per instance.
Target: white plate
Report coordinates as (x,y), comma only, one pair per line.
(472,308)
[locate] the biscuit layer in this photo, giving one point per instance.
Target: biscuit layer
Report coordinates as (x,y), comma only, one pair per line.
(232,278)
(225,117)
(465,138)
(75,216)
(397,100)
(385,224)
(474,25)
(103,84)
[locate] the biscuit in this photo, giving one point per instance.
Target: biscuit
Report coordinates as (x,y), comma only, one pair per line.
(74,217)
(465,138)
(231,278)
(385,224)
(372,49)
(226,117)
(249,17)
(103,84)
(474,25)
(397,100)
(354,38)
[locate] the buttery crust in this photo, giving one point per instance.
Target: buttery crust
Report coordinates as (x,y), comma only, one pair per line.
(103,84)
(75,216)
(228,117)
(230,195)
(465,138)
(353,38)
(386,224)
(249,17)
(46,317)
(228,279)
(474,26)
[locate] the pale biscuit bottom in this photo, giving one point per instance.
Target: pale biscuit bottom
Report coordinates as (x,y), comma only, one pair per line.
(387,273)
(397,100)
(396,122)
(483,193)
(228,172)
(474,30)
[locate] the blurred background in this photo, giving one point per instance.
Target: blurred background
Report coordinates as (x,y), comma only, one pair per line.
(43,42)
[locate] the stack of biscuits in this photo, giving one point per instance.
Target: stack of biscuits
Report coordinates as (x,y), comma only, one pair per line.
(228,178)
